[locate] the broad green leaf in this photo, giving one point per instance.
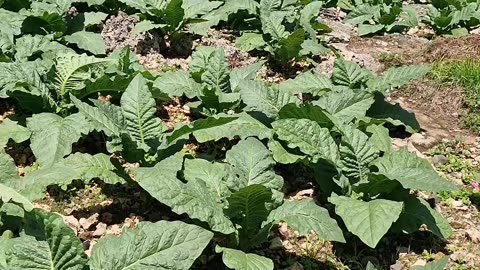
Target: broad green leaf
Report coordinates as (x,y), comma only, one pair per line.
(53,136)
(11,130)
(305,216)
(252,163)
(356,154)
(162,245)
(346,104)
(48,244)
(177,83)
(309,12)
(73,70)
(308,111)
(138,107)
(243,127)
(238,260)
(145,26)
(309,137)
(247,208)
(412,172)
(237,75)
(348,73)
(93,18)
(28,46)
(195,8)
(173,14)
(216,75)
(272,25)
(97,118)
(183,131)
(211,173)
(290,47)
(367,29)
(192,198)
(307,82)
(379,137)
(281,155)
(200,59)
(8,170)
(371,220)
(418,212)
(250,41)
(8,195)
(89,41)
(397,76)
(394,114)
(77,166)
(435,265)
(313,47)
(259,96)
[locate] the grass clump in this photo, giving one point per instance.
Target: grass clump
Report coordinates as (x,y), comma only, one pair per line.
(465,74)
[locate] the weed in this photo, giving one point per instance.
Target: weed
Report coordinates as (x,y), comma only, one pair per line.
(391,59)
(464,73)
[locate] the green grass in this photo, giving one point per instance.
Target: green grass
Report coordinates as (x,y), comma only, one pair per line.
(466,74)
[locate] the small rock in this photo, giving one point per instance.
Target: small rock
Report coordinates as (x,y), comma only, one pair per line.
(72,222)
(100,230)
(85,235)
(396,266)
(295,266)
(304,193)
(90,246)
(276,243)
(439,159)
(455,203)
(114,229)
(86,223)
(470,140)
(420,262)
(398,143)
(473,235)
(458,256)
(422,140)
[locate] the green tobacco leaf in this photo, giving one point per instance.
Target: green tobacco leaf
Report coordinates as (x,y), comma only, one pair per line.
(176,84)
(162,245)
(281,155)
(28,46)
(174,14)
(243,127)
(435,265)
(48,244)
(346,104)
(307,111)
(11,130)
(348,73)
(289,48)
(309,12)
(93,18)
(379,137)
(250,41)
(418,212)
(313,47)
(138,107)
(247,207)
(272,25)
(371,220)
(367,29)
(73,70)
(196,126)
(8,169)
(237,75)
(383,112)
(397,76)
(259,96)
(145,26)
(412,172)
(252,163)
(356,154)
(9,195)
(308,136)
(216,75)
(305,216)
(97,118)
(192,198)
(77,166)
(211,173)
(53,136)
(89,41)
(238,260)
(200,60)
(307,82)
